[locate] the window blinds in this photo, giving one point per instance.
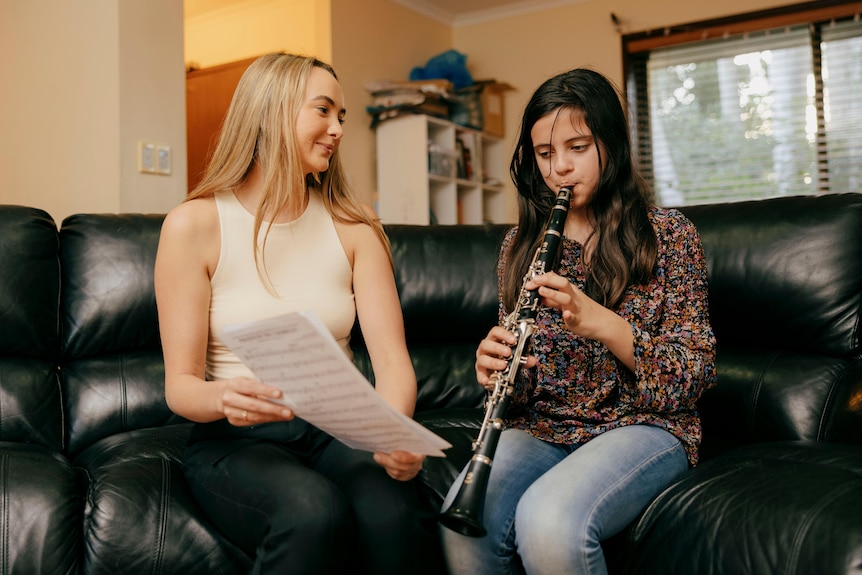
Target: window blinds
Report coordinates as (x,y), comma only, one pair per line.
(842,109)
(778,112)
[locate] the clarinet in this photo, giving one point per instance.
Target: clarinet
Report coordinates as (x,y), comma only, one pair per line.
(464,514)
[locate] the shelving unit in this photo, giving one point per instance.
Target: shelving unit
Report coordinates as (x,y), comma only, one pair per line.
(422,177)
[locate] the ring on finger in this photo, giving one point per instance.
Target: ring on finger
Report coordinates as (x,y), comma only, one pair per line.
(245,415)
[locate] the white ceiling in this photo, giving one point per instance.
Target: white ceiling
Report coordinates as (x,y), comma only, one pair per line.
(458,12)
(453,12)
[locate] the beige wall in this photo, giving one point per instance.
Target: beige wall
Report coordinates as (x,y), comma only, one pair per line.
(380,40)
(247,28)
(152,105)
(84,81)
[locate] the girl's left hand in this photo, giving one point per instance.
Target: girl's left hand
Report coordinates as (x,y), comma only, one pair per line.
(400,465)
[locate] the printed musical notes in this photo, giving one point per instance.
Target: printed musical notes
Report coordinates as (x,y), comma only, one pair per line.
(297,354)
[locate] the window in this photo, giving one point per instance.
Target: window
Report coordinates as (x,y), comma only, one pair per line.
(759,112)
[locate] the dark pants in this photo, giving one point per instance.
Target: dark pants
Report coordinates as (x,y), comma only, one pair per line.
(302,502)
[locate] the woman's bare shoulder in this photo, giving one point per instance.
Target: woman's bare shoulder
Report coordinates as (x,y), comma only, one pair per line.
(191,235)
(192,218)
(355,235)
(348,222)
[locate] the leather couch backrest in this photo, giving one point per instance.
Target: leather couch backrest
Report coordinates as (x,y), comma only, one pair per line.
(447,282)
(785,297)
(30,404)
(785,273)
(785,280)
(111,361)
(112,370)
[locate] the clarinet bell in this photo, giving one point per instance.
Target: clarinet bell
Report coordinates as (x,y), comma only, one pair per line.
(464,514)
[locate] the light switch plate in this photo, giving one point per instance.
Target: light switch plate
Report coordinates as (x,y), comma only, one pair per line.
(163,160)
(146,158)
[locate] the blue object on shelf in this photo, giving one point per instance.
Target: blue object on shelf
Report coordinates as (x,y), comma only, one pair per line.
(450,65)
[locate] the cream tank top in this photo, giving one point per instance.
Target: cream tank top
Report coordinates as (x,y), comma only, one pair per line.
(306,264)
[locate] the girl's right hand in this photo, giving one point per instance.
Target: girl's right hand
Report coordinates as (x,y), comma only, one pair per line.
(245,401)
(493,355)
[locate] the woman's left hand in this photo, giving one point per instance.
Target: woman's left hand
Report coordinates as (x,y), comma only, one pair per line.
(400,465)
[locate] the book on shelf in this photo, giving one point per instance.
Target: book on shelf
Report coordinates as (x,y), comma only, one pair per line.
(392,99)
(461,168)
(467,148)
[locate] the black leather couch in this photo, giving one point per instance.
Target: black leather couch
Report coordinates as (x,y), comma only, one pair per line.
(90,472)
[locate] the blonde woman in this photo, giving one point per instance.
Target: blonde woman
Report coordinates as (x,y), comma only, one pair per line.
(272,228)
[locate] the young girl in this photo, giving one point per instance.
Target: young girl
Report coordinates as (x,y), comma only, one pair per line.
(604,417)
(272,229)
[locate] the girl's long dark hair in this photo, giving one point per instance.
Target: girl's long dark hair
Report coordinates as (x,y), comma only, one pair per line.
(625,243)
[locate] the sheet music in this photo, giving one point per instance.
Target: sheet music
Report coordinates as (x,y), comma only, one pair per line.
(297,354)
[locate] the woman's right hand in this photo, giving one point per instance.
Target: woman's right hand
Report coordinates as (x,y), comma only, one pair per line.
(494,353)
(245,401)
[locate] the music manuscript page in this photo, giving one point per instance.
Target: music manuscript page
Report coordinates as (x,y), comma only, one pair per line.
(297,354)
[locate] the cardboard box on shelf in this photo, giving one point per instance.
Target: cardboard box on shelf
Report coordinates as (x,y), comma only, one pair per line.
(466,107)
(491,98)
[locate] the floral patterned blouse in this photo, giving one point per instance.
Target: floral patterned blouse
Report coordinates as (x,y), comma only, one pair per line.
(579,389)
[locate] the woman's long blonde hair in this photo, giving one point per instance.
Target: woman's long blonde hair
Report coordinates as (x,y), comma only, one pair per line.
(260,127)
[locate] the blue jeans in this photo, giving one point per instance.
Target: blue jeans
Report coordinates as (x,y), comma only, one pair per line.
(548,507)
